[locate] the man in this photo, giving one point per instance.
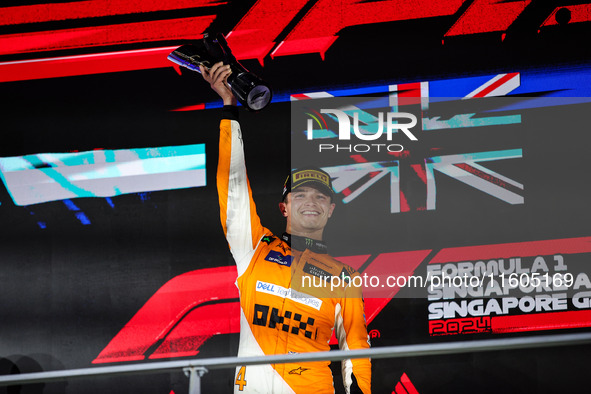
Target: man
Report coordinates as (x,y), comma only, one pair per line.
(281,313)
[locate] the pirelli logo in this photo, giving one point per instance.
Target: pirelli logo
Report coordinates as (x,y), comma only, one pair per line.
(305,175)
(293,323)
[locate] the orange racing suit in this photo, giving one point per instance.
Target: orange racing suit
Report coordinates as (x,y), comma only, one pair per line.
(281,312)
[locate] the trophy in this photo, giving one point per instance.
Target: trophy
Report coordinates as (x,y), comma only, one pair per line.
(251,91)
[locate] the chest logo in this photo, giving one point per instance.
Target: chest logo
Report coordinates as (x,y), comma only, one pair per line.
(280,291)
(276,257)
(316,271)
(293,323)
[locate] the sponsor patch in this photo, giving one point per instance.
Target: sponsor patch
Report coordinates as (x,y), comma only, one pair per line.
(268,239)
(298,371)
(276,257)
(312,175)
(316,271)
(290,322)
(279,291)
(320,262)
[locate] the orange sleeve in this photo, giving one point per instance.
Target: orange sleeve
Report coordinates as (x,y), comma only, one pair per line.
(238,215)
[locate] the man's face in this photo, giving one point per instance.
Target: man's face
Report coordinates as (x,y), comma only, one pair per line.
(307,210)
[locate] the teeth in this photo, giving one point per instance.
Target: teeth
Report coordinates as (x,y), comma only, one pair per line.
(310,213)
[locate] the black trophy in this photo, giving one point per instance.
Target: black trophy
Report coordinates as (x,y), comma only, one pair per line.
(250,90)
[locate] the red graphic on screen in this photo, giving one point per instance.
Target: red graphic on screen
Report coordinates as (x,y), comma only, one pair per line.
(484,16)
(317,30)
(51,12)
(572,14)
(179,318)
(405,386)
(124,33)
(268,28)
(468,325)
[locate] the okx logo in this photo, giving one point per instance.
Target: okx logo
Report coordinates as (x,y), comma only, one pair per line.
(298,325)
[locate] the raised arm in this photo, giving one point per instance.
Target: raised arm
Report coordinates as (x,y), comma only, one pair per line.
(238,214)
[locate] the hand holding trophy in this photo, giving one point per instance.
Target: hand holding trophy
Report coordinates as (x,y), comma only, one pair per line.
(251,91)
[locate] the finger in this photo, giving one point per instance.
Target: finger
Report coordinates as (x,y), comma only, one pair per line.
(223,79)
(222,69)
(205,73)
(223,73)
(215,69)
